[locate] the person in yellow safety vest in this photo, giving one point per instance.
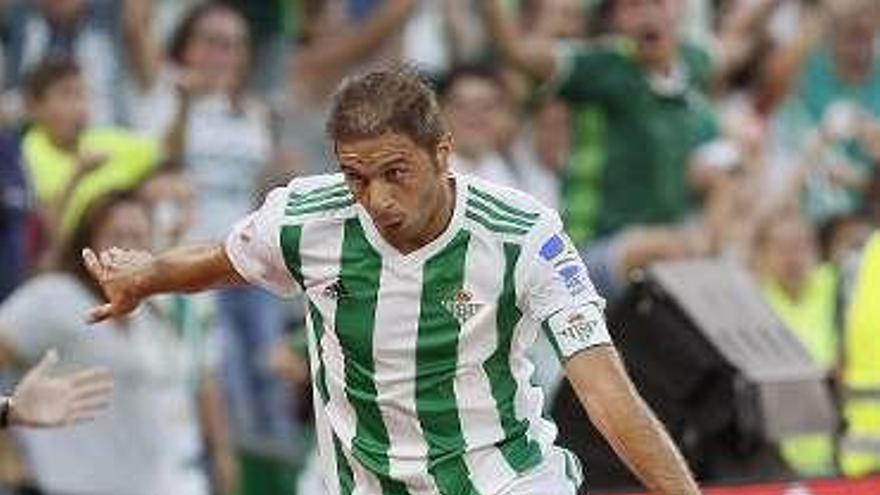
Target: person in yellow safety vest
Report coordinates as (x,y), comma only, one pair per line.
(860,445)
(802,293)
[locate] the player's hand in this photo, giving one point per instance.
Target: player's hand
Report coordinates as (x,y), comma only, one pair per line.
(43,400)
(119,273)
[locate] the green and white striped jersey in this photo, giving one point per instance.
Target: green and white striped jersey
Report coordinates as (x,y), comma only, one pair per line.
(419,360)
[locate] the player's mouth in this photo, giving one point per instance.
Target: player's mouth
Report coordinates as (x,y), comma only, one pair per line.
(390,223)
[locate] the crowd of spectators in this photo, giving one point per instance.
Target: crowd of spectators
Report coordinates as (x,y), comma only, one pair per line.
(660,129)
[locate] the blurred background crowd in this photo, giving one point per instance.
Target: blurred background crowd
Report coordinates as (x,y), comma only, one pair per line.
(743,130)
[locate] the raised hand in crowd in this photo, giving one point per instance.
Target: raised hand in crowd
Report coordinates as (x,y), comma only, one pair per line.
(44,400)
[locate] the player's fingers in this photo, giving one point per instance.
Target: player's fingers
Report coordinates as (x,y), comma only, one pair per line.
(96,391)
(92,264)
(100,313)
(91,377)
(90,406)
(106,260)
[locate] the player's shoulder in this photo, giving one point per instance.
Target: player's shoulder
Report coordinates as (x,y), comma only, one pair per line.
(504,212)
(306,184)
(318,198)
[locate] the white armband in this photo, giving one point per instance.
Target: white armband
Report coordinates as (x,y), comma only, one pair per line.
(572,330)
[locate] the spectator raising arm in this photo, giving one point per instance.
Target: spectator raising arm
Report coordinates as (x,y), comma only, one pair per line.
(144,54)
(189,85)
(534,58)
(330,58)
(785,63)
(41,400)
(740,35)
(463,32)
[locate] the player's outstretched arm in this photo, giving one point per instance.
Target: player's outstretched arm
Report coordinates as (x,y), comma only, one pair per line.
(45,400)
(128,277)
(530,56)
(615,407)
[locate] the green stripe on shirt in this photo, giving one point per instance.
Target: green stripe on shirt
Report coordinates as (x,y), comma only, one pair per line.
(497,215)
(494,227)
(307,199)
(361,267)
(291,235)
(512,210)
(324,206)
(318,334)
(294,195)
(436,364)
(343,470)
(519,451)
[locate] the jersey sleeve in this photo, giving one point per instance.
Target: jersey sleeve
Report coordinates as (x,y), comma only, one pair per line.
(558,291)
(593,72)
(254,246)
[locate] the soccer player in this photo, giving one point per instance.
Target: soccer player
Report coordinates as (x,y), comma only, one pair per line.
(424,290)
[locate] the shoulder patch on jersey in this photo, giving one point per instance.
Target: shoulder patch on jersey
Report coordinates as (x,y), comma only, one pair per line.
(498,215)
(558,251)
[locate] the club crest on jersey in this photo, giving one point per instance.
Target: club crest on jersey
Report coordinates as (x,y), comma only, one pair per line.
(461,306)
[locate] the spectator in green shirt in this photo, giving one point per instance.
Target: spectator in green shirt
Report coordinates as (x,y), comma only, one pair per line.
(642,114)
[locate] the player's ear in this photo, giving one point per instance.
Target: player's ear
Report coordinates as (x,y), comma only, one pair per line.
(444,150)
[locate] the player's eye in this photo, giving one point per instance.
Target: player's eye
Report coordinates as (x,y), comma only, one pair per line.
(397,174)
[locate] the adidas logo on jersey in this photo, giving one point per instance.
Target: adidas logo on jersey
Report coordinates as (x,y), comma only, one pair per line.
(462,306)
(335,291)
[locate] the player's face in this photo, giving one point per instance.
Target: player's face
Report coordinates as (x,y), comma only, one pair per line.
(402,186)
